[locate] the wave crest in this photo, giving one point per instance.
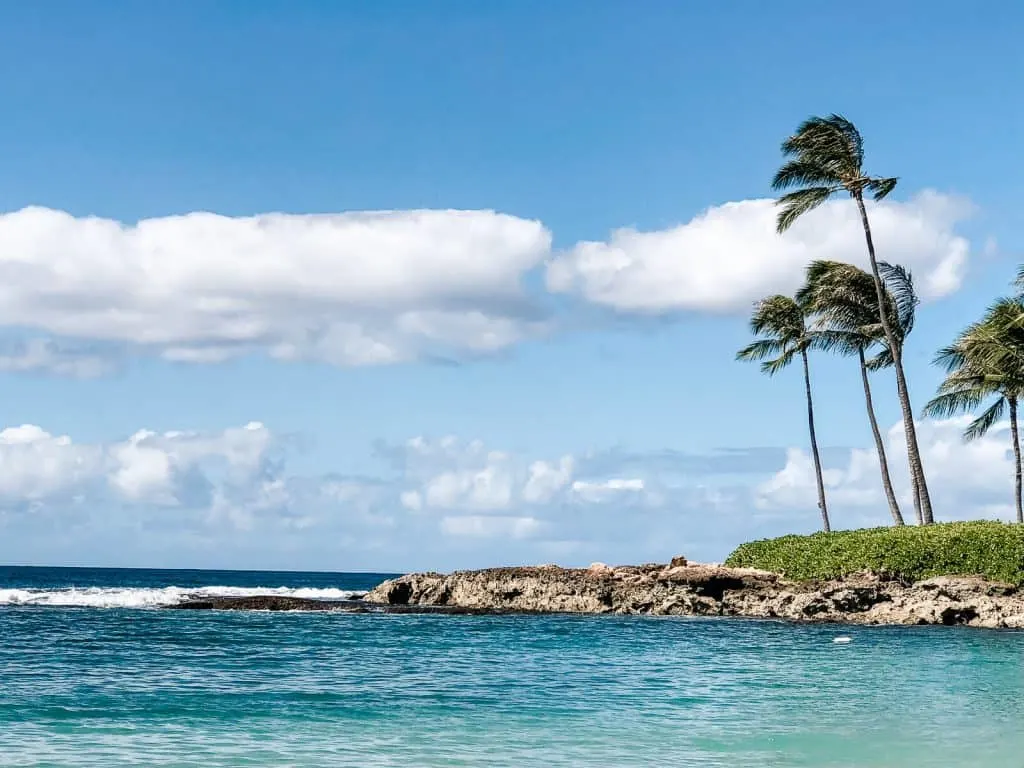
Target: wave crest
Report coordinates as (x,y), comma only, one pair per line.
(129,597)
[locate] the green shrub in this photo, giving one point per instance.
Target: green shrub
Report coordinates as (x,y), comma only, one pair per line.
(991,549)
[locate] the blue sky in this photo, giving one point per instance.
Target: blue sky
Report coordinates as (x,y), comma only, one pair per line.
(490,341)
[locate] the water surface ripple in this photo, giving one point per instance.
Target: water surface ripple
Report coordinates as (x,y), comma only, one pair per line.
(114,686)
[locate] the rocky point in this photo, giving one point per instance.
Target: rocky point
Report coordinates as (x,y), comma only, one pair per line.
(684,589)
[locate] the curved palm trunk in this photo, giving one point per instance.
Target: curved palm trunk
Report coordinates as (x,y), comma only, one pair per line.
(1016,459)
(916,490)
(814,444)
(922,499)
(883,464)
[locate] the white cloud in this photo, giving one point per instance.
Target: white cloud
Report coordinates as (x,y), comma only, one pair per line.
(451,503)
(547,479)
(147,468)
(452,474)
(411,500)
(488,487)
(373,288)
(143,472)
(966,479)
(218,495)
(352,288)
(490,526)
(148,465)
(605,490)
(730,255)
(44,355)
(35,465)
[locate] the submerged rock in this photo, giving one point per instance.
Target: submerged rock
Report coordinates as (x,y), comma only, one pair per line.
(280,603)
(264,603)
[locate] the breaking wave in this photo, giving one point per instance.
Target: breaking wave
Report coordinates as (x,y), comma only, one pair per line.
(127,597)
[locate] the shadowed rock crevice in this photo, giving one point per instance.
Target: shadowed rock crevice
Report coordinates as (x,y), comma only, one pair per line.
(399,593)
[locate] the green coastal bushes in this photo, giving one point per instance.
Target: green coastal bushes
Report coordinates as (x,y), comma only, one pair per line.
(991,549)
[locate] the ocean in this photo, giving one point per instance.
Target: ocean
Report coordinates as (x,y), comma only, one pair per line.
(92,675)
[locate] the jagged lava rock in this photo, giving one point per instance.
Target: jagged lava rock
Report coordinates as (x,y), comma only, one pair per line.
(692,589)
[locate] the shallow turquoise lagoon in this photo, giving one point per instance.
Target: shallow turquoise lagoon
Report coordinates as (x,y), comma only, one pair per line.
(83,685)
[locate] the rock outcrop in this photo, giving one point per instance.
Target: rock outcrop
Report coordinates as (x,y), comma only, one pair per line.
(688,589)
(282,603)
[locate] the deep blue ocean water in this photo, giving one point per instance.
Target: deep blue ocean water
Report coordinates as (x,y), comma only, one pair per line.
(86,680)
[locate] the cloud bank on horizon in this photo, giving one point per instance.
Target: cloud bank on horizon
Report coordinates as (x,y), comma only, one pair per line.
(79,294)
(231,498)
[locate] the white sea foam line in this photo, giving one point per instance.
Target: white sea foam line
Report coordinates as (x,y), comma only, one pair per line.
(127,597)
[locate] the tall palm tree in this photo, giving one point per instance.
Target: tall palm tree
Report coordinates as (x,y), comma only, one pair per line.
(823,158)
(780,321)
(986,361)
(843,298)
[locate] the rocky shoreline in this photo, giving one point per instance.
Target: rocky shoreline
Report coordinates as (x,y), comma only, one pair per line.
(682,589)
(676,589)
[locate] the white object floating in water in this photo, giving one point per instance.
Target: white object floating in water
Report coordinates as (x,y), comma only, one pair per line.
(843,639)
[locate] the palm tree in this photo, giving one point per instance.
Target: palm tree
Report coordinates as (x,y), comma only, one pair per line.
(825,157)
(843,298)
(985,361)
(780,321)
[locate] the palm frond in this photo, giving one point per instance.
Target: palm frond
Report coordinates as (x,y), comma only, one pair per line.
(844,300)
(833,139)
(771,367)
(1018,282)
(804,173)
(986,359)
(899,282)
(778,316)
(854,141)
(781,325)
(795,204)
(981,425)
(884,359)
(880,188)
(954,402)
(950,358)
(838,342)
(760,350)
(992,345)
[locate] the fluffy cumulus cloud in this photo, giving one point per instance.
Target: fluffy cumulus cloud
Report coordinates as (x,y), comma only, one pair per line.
(730,255)
(146,468)
(37,466)
(449,474)
(350,289)
(967,480)
(372,288)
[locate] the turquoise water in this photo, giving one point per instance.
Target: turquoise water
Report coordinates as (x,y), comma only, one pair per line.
(108,686)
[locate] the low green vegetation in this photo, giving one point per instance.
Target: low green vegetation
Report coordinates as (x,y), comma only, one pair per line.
(991,549)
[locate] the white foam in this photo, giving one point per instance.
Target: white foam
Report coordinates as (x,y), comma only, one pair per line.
(126,597)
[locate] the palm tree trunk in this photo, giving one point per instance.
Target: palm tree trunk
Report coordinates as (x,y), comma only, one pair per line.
(922,499)
(916,490)
(883,464)
(814,445)
(1016,459)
